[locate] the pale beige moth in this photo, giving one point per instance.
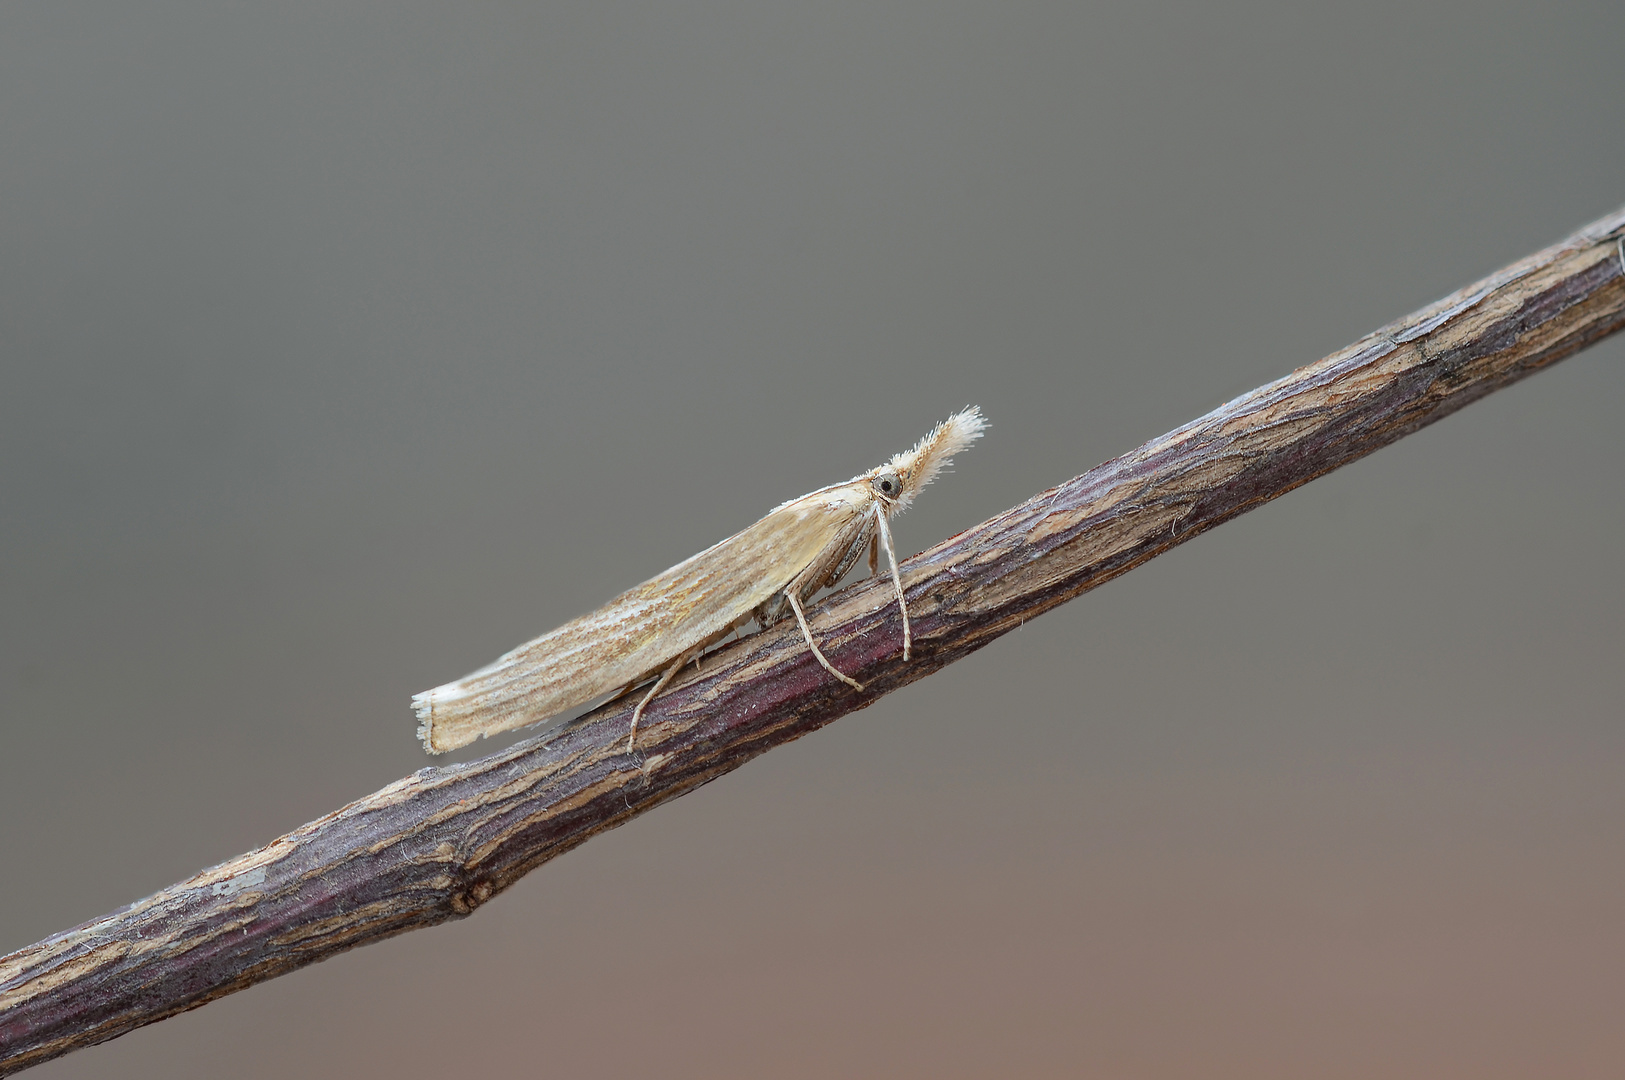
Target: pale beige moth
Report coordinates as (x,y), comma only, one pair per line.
(650,632)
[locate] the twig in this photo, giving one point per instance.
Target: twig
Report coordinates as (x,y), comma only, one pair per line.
(439,843)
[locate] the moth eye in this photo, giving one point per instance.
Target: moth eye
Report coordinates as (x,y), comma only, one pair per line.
(888,485)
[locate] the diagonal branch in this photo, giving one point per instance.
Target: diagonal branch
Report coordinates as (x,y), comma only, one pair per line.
(439,843)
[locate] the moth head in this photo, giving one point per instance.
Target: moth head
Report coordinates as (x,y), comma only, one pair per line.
(913,469)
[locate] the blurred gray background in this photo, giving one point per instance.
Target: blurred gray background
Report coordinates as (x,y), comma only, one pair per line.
(345,345)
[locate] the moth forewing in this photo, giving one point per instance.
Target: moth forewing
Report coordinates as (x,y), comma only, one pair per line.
(627,639)
(783,559)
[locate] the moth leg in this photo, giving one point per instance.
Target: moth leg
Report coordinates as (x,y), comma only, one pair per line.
(801,618)
(874,554)
(669,674)
(812,579)
(884,536)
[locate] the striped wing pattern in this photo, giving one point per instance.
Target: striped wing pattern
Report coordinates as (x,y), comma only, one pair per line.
(643,629)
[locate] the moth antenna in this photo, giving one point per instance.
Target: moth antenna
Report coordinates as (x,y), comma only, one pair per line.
(896,578)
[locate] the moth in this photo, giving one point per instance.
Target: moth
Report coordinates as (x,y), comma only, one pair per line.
(651,631)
